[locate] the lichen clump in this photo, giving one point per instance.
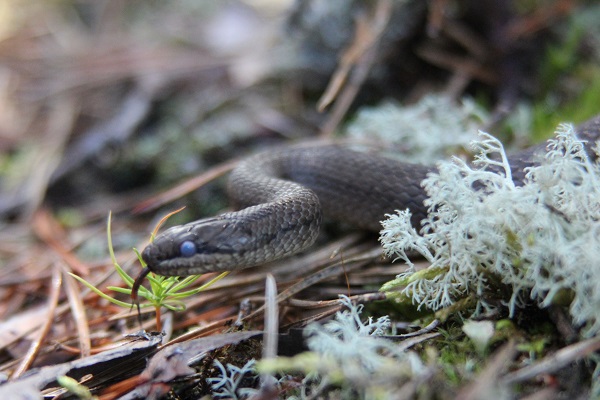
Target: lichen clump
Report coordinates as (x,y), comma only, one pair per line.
(423,131)
(540,239)
(350,357)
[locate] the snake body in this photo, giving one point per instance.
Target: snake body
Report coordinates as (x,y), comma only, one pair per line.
(282,196)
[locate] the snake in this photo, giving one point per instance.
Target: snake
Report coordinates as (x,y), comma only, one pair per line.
(282,196)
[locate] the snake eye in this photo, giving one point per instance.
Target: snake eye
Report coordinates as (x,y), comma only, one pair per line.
(187,248)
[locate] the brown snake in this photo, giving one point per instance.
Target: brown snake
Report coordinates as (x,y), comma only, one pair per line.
(282,196)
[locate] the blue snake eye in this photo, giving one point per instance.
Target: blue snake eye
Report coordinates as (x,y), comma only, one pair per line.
(187,248)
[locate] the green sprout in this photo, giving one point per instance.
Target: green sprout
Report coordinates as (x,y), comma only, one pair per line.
(164,291)
(73,387)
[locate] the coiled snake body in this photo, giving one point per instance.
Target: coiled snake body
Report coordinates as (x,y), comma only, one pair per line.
(282,196)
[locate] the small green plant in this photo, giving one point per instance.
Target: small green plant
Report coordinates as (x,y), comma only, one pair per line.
(75,388)
(164,291)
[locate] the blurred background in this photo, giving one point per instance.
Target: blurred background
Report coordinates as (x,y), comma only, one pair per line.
(101,99)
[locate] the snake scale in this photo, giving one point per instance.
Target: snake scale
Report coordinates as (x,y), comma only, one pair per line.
(282,196)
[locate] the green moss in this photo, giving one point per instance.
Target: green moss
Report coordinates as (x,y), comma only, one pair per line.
(457,357)
(562,57)
(584,105)
(570,82)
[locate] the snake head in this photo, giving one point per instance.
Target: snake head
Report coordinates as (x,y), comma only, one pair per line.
(197,247)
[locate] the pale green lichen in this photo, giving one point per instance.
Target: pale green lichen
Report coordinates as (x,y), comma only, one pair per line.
(423,131)
(229,384)
(540,239)
(349,355)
